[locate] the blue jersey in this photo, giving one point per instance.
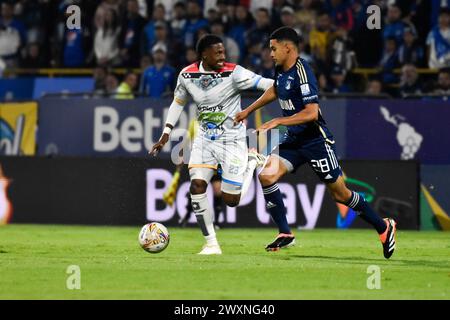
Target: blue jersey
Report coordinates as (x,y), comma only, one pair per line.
(296,88)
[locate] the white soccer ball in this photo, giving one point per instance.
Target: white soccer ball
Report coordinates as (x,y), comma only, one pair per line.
(154,237)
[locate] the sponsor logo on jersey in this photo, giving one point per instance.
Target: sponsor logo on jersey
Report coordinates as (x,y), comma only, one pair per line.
(305,89)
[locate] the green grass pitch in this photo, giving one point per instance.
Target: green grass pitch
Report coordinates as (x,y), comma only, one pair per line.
(325,264)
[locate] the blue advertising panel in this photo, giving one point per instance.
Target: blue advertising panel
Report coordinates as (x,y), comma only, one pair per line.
(14,89)
(61,85)
(398,129)
(101,127)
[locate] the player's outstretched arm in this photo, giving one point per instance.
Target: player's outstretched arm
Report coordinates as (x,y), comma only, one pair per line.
(172,118)
(308,114)
(268,96)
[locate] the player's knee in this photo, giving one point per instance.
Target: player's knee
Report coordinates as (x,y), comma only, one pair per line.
(198,186)
(267,179)
(231,200)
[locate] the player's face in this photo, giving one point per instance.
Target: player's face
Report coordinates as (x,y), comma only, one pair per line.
(278,52)
(214,56)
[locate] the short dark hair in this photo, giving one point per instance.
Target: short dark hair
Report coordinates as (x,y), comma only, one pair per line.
(207,41)
(285,33)
(265,10)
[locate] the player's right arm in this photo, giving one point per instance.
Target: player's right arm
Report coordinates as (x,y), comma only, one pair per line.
(268,96)
(176,108)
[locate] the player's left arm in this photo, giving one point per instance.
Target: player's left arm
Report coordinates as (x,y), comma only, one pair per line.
(309,114)
(245,79)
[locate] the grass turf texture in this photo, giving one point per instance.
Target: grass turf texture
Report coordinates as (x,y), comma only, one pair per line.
(325,264)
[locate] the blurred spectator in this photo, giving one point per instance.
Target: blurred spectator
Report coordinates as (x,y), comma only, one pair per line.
(9,45)
(194,22)
(145,62)
(306,15)
(76,43)
(226,9)
(374,87)
(7,20)
(168,7)
(33,15)
(319,38)
(99,75)
(190,56)
(148,35)
(340,50)
(253,59)
(106,40)
(410,51)
(111,84)
(289,19)
(389,61)
(359,14)
(158,79)
(33,57)
(127,87)
(443,84)
(302,49)
(173,45)
(323,82)
(259,34)
(409,81)
(178,21)
(338,85)
(340,13)
(266,67)
(255,5)
(231,47)
(242,22)
(436,7)
(212,16)
(394,25)
(102,9)
(275,13)
(131,32)
(438,42)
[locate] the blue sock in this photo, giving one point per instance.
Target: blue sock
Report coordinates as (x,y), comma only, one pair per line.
(275,205)
(360,205)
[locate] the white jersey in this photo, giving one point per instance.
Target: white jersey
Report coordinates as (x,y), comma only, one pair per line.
(217,96)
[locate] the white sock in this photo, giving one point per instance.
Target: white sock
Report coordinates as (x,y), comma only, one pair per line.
(248,177)
(204,214)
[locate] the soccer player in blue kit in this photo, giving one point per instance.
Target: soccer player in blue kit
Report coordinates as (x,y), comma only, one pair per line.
(307,140)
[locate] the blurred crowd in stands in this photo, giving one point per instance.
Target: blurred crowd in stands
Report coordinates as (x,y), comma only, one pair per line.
(159,37)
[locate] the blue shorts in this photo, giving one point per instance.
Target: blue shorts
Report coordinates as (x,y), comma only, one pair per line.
(320,155)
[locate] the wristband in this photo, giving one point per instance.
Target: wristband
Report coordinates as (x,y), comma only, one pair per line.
(167,130)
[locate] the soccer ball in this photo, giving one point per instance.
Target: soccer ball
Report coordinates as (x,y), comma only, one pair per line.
(154,237)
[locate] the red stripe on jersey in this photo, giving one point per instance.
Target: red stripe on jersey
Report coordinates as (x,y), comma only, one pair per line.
(192,68)
(227,66)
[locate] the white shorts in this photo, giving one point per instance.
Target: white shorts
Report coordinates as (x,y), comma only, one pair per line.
(231,154)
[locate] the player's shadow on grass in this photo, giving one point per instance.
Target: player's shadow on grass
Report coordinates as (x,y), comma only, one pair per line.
(440,264)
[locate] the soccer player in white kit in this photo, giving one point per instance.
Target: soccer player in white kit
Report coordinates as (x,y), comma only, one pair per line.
(215,87)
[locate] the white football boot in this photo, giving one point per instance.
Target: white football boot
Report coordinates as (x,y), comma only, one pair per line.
(209,249)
